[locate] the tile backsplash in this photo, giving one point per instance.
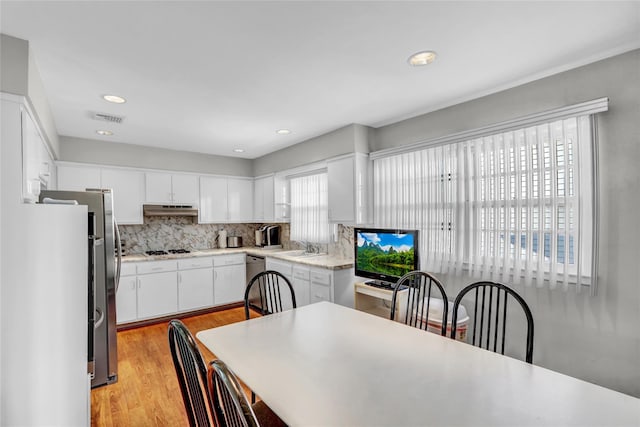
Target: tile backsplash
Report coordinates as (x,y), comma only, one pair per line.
(180,232)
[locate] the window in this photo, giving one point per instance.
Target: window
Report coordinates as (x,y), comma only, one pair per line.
(310,208)
(513,205)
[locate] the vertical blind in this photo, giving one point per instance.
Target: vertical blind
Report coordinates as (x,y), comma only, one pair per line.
(513,206)
(310,208)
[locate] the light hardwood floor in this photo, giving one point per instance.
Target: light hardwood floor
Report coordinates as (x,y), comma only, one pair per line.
(147,392)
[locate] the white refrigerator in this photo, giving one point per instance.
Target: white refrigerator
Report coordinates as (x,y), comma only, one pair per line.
(44,379)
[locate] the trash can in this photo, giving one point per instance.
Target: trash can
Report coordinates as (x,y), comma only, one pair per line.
(434,322)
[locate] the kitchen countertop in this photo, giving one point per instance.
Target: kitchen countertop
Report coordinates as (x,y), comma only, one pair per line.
(322,261)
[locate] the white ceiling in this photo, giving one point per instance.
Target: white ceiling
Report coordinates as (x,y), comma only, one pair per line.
(210,76)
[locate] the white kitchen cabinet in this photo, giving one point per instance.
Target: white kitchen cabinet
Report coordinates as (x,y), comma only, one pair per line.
(239,199)
(229,278)
(128,193)
(282,198)
(78,178)
(127,300)
(263,199)
(213,199)
(301,285)
(348,187)
(157,289)
(195,283)
(37,164)
(225,199)
(171,188)
(321,286)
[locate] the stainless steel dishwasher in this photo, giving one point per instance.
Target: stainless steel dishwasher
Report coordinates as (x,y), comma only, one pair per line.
(255,265)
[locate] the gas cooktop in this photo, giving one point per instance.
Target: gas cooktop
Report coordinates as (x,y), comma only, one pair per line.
(167,252)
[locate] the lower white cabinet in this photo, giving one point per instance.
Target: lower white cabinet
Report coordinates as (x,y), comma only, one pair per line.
(151,289)
(126,300)
(229,278)
(157,294)
(321,288)
(195,283)
(301,285)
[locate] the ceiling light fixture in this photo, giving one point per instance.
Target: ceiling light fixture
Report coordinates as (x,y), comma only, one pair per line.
(422,58)
(104,132)
(238,150)
(114,98)
(283,131)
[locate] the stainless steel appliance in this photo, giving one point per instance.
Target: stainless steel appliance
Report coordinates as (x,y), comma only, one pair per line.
(255,265)
(269,236)
(234,242)
(102,282)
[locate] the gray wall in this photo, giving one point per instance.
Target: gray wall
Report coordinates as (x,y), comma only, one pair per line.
(19,76)
(593,338)
(348,139)
(138,156)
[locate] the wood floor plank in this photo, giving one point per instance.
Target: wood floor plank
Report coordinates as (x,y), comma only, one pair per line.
(147,392)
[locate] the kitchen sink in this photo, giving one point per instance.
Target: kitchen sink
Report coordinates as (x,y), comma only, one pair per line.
(301,253)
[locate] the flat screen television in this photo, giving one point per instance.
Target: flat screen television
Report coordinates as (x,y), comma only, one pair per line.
(384,254)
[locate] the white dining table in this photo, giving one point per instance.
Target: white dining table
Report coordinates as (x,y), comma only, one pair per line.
(329,365)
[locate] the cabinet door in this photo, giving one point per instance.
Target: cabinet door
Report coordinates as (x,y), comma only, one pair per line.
(301,288)
(320,293)
(126,300)
(195,289)
(128,194)
(229,283)
(213,199)
(158,187)
(78,178)
(340,174)
(184,189)
(157,294)
(263,199)
(240,199)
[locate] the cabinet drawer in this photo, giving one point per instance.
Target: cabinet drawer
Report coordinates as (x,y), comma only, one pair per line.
(321,277)
(128,269)
(301,273)
(156,266)
(320,293)
(199,262)
(222,260)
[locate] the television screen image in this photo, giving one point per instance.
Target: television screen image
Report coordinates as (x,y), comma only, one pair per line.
(385,254)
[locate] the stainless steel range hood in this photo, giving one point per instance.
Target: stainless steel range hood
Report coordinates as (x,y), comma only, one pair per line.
(170,210)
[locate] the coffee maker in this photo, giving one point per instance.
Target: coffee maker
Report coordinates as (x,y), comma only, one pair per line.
(269,236)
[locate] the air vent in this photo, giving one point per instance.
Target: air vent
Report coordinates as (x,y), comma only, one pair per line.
(104,117)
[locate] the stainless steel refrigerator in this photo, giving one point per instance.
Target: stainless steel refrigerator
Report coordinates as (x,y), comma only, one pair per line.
(102,282)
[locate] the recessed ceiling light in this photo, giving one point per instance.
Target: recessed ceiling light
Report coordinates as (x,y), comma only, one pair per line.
(283,131)
(104,132)
(421,58)
(114,98)
(238,150)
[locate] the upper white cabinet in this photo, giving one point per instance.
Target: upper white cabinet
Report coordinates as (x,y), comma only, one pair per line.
(171,188)
(128,193)
(213,199)
(225,199)
(36,160)
(78,178)
(240,199)
(263,199)
(349,197)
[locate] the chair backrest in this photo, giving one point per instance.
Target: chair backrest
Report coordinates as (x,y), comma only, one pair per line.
(230,405)
(421,287)
(490,316)
(192,374)
(271,289)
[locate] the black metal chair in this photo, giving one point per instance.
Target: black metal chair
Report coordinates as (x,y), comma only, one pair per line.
(490,316)
(419,286)
(230,405)
(192,374)
(271,289)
